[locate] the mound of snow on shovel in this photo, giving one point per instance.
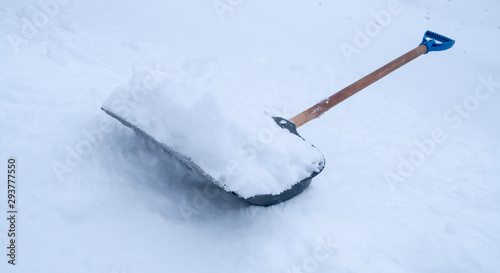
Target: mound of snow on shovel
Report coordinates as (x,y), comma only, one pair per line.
(191,112)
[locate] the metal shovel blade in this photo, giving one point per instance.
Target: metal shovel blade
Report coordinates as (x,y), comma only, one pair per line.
(299,187)
(260,200)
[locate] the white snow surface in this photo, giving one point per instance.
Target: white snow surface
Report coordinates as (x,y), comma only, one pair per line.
(243,151)
(412,176)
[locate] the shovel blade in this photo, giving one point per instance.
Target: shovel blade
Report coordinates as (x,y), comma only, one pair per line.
(259,200)
(296,189)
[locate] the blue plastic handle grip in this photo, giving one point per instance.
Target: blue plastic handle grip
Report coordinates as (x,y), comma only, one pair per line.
(436,42)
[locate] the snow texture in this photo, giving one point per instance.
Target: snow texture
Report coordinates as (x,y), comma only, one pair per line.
(412,181)
(243,150)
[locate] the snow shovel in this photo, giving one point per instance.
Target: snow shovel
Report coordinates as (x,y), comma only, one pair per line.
(431,42)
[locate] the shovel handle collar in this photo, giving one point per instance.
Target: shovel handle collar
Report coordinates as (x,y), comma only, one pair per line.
(436,42)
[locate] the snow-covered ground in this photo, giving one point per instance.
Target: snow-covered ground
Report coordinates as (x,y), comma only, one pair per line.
(412,179)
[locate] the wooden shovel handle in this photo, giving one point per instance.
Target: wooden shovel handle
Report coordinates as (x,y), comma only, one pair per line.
(352,89)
